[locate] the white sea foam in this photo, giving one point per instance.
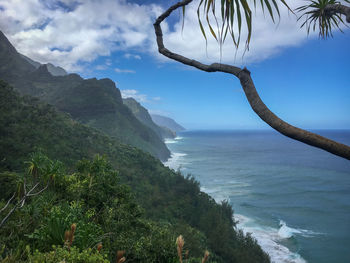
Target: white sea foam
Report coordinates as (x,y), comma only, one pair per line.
(287,232)
(175,161)
(268,238)
(169,141)
(175,140)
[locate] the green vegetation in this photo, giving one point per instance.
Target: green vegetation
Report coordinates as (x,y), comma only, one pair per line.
(143,116)
(70,256)
(131,202)
(91,202)
(97,103)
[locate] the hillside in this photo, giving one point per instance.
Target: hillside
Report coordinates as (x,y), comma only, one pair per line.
(97,103)
(167,122)
(54,71)
(166,197)
(10,60)
(143,116)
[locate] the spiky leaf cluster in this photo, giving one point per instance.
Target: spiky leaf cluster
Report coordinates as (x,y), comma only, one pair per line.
(234,15)
(318,17)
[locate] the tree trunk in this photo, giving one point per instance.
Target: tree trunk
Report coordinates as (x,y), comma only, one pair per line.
(252,95)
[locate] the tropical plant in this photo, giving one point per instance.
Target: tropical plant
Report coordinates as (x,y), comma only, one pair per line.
(59,220)
(42,171)
(74,255)
(232,12)
(324,13)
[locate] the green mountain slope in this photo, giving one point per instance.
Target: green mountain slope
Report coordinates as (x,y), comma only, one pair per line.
(54,71)
(166,196)
(143,116)
(167,122)
(10,59)
(97,103)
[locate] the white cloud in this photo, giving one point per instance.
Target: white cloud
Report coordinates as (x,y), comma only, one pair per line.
(47,32)
(143,98)
(118,70)
(108,62)
(101,67)
(268,38)
(129,56)
(131,93)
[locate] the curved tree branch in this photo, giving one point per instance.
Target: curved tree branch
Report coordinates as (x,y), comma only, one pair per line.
(340,9)
(252,95)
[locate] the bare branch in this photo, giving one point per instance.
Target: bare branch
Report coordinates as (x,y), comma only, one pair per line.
(21,202)
(252,95)
(11,211)
(25,192)
(285,128)
(37,193)
(340,9)
(8,202)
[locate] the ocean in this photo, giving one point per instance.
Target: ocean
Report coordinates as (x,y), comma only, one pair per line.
(293,198)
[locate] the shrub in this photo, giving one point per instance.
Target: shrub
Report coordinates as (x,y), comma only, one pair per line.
(62,254)
(60,218)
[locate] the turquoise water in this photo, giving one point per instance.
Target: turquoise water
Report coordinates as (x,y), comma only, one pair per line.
(293,198)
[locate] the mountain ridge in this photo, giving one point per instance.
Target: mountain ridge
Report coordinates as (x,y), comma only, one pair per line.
(54,70)
(167,122)
(97,103)
(143,115)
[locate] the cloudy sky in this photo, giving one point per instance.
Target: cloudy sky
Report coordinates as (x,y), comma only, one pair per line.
(303,79)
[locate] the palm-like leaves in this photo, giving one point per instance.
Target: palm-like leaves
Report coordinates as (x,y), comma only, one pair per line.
(97,167)
(232,12)
(42,168)
(36,164)
(317,16)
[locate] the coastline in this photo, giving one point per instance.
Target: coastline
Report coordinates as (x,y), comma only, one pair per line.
(269,238)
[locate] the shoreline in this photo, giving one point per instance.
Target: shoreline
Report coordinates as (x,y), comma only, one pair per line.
(268,238)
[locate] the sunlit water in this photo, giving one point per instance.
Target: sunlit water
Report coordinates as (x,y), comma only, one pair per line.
(293,198)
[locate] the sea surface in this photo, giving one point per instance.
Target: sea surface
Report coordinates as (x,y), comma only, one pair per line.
(293,198)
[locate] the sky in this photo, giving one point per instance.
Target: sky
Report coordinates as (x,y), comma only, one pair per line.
(302,79)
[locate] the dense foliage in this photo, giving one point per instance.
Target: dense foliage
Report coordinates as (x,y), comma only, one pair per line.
(92,198)
(133,203)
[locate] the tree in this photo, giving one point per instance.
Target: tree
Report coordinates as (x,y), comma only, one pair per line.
(324,14)
(42,171)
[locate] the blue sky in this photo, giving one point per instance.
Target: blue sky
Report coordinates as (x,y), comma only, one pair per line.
(304,80)
(306,85)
